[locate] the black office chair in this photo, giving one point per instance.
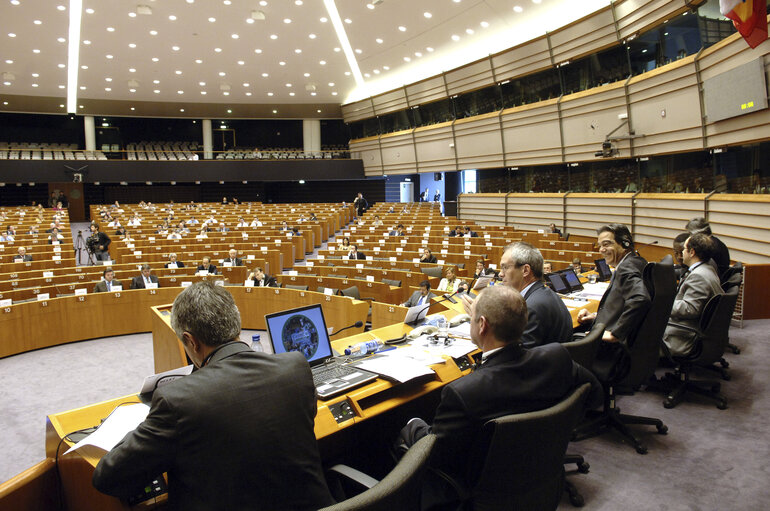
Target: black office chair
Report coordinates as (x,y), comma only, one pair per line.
(642,357)
(337,275)
(710,342)
(523,467)
(392,282)
(295,286)
(399,490)
(322,289)
(432,271)
(733,276)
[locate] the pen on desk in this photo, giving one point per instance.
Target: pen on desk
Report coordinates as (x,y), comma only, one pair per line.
(385,349)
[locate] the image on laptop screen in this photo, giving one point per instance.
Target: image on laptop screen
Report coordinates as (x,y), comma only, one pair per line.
(572,280)
(302,329)
(557,283)
(603,269)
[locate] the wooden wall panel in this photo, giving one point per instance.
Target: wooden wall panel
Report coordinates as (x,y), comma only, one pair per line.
(533,212)
(743,224)
(433,146)
(588,118)
(368,150)
(390,101)
(358,110)
(522,60)
(426,91)
(584,36)
(478,143)
(665,108)
(634,16)
(585,212)
(482,208)
(398,153)
(531,134)
(661,217)
(473,76)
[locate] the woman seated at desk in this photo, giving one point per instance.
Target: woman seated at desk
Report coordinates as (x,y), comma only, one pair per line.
(451,284)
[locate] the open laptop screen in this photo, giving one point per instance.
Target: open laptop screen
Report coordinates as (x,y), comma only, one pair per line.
(572,280)
(603,269)
(557,283)
(302,329)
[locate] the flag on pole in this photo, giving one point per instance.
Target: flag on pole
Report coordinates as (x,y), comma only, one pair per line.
(749,18)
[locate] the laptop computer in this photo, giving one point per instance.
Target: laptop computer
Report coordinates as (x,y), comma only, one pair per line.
(572,280)
(304,330)
(603,269)
(556,282)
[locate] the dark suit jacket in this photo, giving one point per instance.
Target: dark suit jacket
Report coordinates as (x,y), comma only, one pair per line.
(101,287)
(19,259)
(236,262)
(721,256)
(626,300)
(179,264)
(267,282)
(236,434)
(511,380)
(474,234)
(548,318)
(412,301)
(212,269)
(359,255)
(431,259)
(138,282)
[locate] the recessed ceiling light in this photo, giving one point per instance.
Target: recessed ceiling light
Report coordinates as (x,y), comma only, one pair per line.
(82,87)
(273,36)
(110,29)
(368,6)
(35,75)
(322,62)
(358,50)
(324,19)
(156,91)
(180,92)
(61,40)
(287,20)
(469,31)
(90,11)
(417,54)
(172,17)
(155,59)
(108,89)
(218,50)
(246,84)
(402,28)
(60,86)
(35,85)
(35,51)
(367,75)
(132,45)
(297,2)
(61,66)
(379,41)
(318,111)
(291,94)
(484,24)
(334,93)
(9,61)
(86,42)
(517,8)
(455,37)
(5,103)
(131,90)
(235,36)
(288,85)
(241,62)
(156,82)
(337,49)
(457,1)
(212,20)
(229,111)
(312,36)
(265,75)
(222,73)
(83,67)
(282,63)
(132,14)
(6,83)
(257,50)
(227,2)
(429,48)
(386,68)
(60,7)
(14,2)
(225,93)
(269,93)
(108,56)
(298,51)
(203,92)
(131,70)
(175,48)
(181,109)
(331,84)
(535,1)
(427,15)
(132,109)
(37,22)
(178,71)
(347,73)
(108,79)
(275,111)
(198,61)
(407,59)
(376,71)
(263,3)
(249,20)
(202,84)
(248,93)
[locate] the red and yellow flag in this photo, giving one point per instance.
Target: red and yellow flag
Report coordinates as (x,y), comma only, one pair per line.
(749,17)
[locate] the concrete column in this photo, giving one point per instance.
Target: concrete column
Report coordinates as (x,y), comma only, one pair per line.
(88,125)
(208,146)
(311,135)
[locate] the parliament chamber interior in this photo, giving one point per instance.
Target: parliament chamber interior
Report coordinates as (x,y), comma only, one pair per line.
(377,163)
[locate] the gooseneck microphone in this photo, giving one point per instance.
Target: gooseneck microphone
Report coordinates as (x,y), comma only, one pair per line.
(357,324)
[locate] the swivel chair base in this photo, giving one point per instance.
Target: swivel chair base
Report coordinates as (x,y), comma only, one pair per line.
(678,384)
(575,498)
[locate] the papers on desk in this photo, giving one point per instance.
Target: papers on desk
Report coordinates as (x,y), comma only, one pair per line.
(399,368)
(123,420)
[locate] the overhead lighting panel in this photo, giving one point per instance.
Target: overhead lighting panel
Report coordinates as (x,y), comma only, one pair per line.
(339,28)
(73,54)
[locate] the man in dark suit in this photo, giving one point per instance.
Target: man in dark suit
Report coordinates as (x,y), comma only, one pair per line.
(626,300)
(141,281)
(355,254)
(172,262)
(360,204)
(678,246)
(698,285)
(427,256)
(22,256)
(109,283)
(100,244)
(548,320)
(207,266)
(223,449)
(233,258)
(510,379)
(261,279)
(720,253)
(420,297)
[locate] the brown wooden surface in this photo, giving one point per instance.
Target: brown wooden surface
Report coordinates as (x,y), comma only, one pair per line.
(35,489)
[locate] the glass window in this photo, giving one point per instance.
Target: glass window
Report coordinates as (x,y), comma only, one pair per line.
(396,121)
(433,113)
(469,181)
(364,128)
(478,102)
(531,88)
(610,65)
(713,26)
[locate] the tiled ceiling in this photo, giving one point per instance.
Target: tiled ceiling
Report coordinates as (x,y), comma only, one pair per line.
(257,52)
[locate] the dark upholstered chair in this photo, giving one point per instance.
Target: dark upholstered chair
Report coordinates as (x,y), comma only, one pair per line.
(643,352)
(391,282)
(432,271)
(399,490)
(295,286)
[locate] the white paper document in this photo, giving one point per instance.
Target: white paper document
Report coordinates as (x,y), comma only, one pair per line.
(123,420)
(398,368)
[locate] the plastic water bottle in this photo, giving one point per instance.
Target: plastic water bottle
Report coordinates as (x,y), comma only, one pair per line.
(255,344)
(362,348)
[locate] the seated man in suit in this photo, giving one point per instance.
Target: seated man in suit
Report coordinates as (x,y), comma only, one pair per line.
(696,288)
(55,237)
(355,254)
(109,283)
(399,231)
(720,254)
(626,300)
(221,448)
(552,228)
(510,379)
(207,266)
(548,319)
(233,258)
(547,267)
(261,279)
(482,270)
(141,281)
(427,256)
(420,297)
(172,262)
(22,256)
(678,246)
(458,232)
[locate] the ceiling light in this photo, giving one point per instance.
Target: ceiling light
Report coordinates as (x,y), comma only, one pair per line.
(222,73)
(263,3)
(324,19)
(90,11)
(132,45)
(181,109)
(235,36)
(132,109)
(306,75)
(469,31)
(297,51)
(81,67)
(322,62)
(156,82)
(273,36)
(178,71)
(368,6)
(270,94)
(229,111)
(275,111)
(61,86)
(37,22)
(455,37)
(347,73)
(517,8)
(35,85)
(287,20)
(457,1)
(198,61)
(402,28)
(484,24)
(60,7)
(249,20)
(212,20)
(386,68)
(35,51)
(535,1)
(376,71)
(312,36)
(202,84)
(172,17)
(131,90)
(337,50)
(379,41)
(218,50)
(257,50)
(203,92)
(180,92)
(9,61)
(331,84)
(297,2)
(427,15)
(6,83)
(156,91)
(288,85)
(282,63)
(334,93)
(367,75)
(407,59)
(108,56)
(429,48)
(225,93)
(35,75)
(248,93)
(175,48)
(265,75)
(246,84)
(417,54)
(155,59)
(358,50)
(13,2)
(108,89)
(61,66)
(227,2)
(86,42)
(110,29)
(82,87)
(131,70)
(108,79)
(61,40)
(132,15)
(291,94)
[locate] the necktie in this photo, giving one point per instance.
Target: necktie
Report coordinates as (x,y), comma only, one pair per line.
(419,302)
(109,285)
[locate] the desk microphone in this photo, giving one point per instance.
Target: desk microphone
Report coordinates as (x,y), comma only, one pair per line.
(357,324)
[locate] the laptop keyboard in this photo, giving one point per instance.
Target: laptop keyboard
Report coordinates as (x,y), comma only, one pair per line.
(325,374)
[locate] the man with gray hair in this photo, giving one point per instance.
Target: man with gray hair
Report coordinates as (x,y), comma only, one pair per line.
(144,280)
(720,253)
(509,380)
(549,320)
(235,434)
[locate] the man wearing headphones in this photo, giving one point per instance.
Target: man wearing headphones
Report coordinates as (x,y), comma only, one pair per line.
(626,300)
